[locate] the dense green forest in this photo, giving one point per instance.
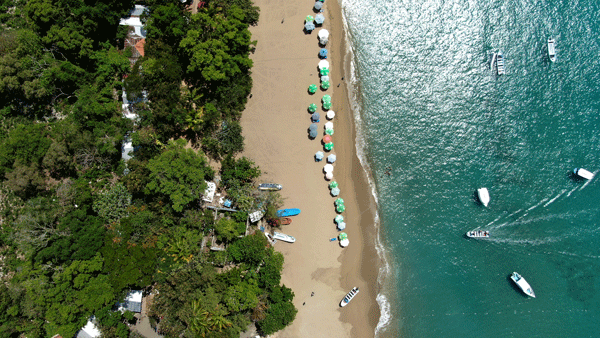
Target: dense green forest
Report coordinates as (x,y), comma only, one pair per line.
(80,226)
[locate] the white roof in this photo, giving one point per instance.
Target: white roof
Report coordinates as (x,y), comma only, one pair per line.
(209,193)
(134,296)
(89,330)
(131,21)
(255,216)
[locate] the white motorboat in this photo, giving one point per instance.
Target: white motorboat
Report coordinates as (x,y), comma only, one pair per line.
(583,173)
(484,196)
(478,234)
(492,61)
(522,283)
(349,296)
(551,50)
(283,237)
(500,63)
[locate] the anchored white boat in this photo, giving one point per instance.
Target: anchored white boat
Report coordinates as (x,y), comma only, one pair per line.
(492,61)
(551,50)
(484,196)
(349,296)
(522,283)
(500,63)
(283,237)
(478,234)
(583,173)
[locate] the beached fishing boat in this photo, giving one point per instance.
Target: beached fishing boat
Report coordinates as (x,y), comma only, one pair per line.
(349,296)
(583,173)
(478,234)
(551,50)
(500,63)
(484,196)
(522,283)
(269,186)
(283,237)
(288,212)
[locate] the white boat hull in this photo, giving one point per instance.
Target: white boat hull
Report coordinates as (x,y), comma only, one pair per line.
(484,196)
(522,284)
(349,296)
(583,173)
(478,234)
(551,50)
(283,237)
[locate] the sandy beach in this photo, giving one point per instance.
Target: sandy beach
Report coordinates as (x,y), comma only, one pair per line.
(275,125)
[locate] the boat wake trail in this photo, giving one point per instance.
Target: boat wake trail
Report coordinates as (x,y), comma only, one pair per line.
(555,198)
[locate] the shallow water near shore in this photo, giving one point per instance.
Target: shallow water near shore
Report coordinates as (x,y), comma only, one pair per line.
(436,123)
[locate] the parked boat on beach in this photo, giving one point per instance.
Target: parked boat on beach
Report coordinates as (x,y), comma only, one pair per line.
(500,63)
(283,237)
(349,296)
(288,212)
(269,186)
(484,196)
(522,283)
(551,50)
(583,173)
(478,234)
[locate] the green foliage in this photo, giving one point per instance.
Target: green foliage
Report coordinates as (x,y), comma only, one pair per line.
(112,203)
(178,173)
(242,296)
(251,250)
(281,311)
(228,229)
(217,44)
(270,272)
(25,180)
(111,323)
(183,245)
(25,143)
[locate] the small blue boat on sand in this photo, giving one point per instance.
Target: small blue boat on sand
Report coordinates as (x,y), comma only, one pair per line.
(287,212)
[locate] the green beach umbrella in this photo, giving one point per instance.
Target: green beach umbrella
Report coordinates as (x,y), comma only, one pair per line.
(312,108)
(328,146)
(329,131)
(339,201)
(325,85)
(324,71)
(339,218)
(343,235)
(327,105)
(312,88)
(333,184)
(326,98)
(309,18)
(340,208)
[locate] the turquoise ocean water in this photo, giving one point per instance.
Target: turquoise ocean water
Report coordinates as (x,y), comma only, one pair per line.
(430,108)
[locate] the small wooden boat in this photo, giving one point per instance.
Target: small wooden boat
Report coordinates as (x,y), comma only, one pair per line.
(478,234)
(269,186)
(349,296)
(500,63)
(288,212)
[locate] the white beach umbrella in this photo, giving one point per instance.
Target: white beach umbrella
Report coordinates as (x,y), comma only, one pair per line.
(319,155)
(329,125)
(323,36)
(324,78)
(338,219)
(331,158)
(329,176)
(344,243)
(323,64)
(330,114)
(341,226)
(335,191)
(328,168)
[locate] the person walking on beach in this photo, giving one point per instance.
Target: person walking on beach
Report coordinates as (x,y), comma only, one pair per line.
(312,294)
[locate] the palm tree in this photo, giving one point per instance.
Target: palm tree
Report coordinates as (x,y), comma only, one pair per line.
(199,323)
(218,320)
(260,310)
